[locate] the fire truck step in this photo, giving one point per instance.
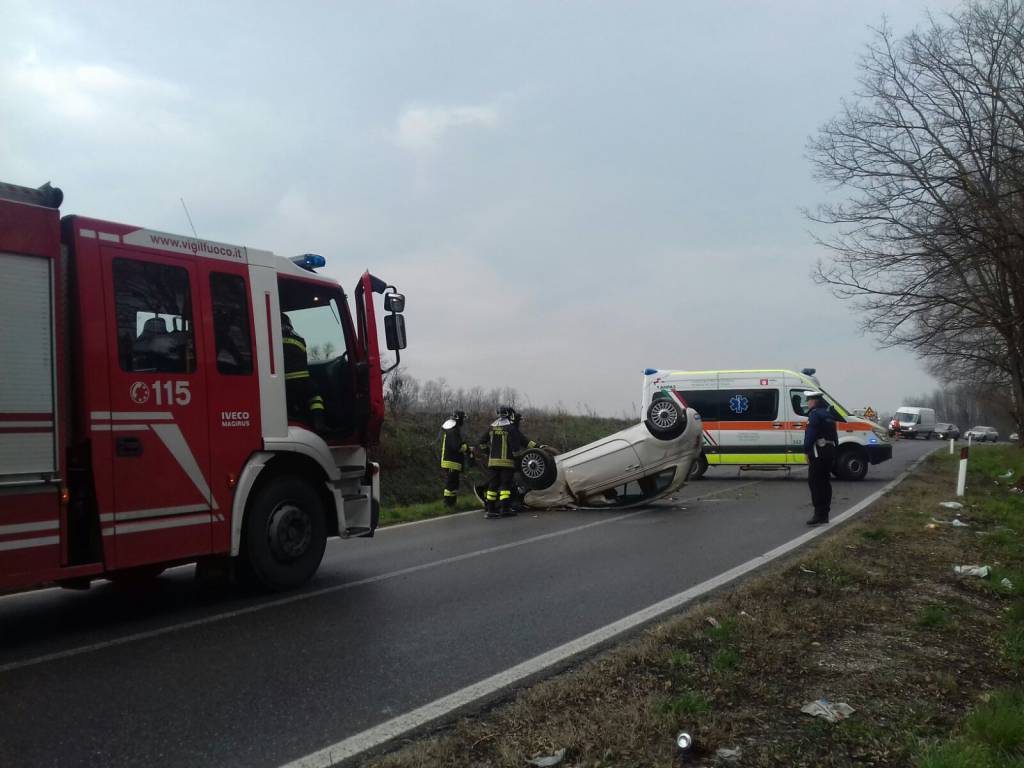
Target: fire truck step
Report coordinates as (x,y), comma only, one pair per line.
(354,496)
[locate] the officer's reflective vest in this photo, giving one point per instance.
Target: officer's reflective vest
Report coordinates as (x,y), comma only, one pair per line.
(453,448)
(302,399)
(505,441)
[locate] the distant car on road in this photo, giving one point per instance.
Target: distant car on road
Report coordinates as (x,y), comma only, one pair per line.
(945,431)
(915,422)
(982,434)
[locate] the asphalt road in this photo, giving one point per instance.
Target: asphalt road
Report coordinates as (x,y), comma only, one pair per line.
(179,675)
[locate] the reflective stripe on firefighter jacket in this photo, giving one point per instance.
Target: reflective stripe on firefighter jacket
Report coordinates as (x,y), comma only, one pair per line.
(504,442)
(302,398)
(453,449)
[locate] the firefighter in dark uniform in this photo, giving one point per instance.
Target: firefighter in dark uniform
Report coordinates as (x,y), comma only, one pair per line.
(503,442)
(454,452)
(820,440)
(304,402)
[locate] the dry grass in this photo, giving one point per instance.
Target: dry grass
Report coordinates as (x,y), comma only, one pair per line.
(872,616)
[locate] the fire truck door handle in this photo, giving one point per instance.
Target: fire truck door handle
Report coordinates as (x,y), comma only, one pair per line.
(129,446)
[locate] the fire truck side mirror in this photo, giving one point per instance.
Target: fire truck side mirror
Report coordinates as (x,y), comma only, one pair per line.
(394,303)
(394,331)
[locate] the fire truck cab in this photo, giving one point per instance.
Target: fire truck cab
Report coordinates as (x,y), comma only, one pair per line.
(144,402)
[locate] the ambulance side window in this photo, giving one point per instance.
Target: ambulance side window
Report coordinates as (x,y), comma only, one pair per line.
(748,404)
(153,306)
(798,397)
(232,337)
(703,401)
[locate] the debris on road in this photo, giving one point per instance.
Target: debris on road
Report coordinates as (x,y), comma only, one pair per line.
(547,761)
(825,709)
(951,504)
(981,571)
(728,755)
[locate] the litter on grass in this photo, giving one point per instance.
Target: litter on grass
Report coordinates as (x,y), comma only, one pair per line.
(1006,474)
(713,622)
(1006,583)
(981,571)
(827,710)
(951,504)
(956,522)
(728,755)
(548,761)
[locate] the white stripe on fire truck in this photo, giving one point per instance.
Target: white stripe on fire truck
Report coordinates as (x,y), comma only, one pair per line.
(110,237)
(44,541)
(87,233)
(170,435)
(141,514)
(46,525)
(155,525)
(131,416)
(27,424)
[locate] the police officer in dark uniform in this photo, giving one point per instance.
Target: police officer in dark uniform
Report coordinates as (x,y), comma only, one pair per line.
(454,452)
(820,440)
(304,402)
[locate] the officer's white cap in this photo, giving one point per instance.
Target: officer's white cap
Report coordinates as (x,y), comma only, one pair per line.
(815,395)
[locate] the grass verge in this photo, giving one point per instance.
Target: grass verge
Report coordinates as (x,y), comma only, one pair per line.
(873,616)
(408,513)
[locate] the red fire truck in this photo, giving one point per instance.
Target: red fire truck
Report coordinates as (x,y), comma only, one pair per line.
(144,402)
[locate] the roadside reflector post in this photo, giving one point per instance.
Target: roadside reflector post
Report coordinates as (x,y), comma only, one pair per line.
(952,444)
(961,479)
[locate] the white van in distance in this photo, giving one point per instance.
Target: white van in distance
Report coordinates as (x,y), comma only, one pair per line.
(756,419)
(915,422)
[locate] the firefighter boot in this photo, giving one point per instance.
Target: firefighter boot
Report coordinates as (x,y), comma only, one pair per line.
(491,507)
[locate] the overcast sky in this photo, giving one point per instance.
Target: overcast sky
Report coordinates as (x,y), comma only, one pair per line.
(567,192)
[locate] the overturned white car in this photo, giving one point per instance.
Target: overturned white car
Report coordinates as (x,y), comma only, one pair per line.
(631,467)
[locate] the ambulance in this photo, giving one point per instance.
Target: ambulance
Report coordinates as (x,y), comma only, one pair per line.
(755,419)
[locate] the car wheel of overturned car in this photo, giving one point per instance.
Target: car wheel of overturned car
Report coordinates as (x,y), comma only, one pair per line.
(665,419)
(537,468)
(851,464)
(698,468)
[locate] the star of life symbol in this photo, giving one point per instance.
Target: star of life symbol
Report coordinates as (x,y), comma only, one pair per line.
(738,404)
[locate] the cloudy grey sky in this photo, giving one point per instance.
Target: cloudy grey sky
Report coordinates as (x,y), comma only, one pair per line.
(568,192)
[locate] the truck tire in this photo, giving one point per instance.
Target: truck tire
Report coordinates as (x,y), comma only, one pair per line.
(537,468)
(285,533)
(666,420)
(698,468)
(851,464)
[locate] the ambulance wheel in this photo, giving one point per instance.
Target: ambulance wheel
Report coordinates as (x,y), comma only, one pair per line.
(665,419)
(851,464)
(285,533)
(537,468)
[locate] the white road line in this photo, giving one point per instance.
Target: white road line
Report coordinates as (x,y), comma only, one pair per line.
(527,511)
(401,725)
(31,662)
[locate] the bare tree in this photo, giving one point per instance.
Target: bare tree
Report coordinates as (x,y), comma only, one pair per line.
(929,241)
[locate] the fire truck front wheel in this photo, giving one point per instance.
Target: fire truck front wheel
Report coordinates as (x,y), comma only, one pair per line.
(285,533)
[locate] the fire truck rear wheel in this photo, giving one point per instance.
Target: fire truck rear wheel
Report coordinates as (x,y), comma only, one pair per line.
(285,533)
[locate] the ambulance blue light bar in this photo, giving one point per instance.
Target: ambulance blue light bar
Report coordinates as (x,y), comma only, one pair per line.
(310,261)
